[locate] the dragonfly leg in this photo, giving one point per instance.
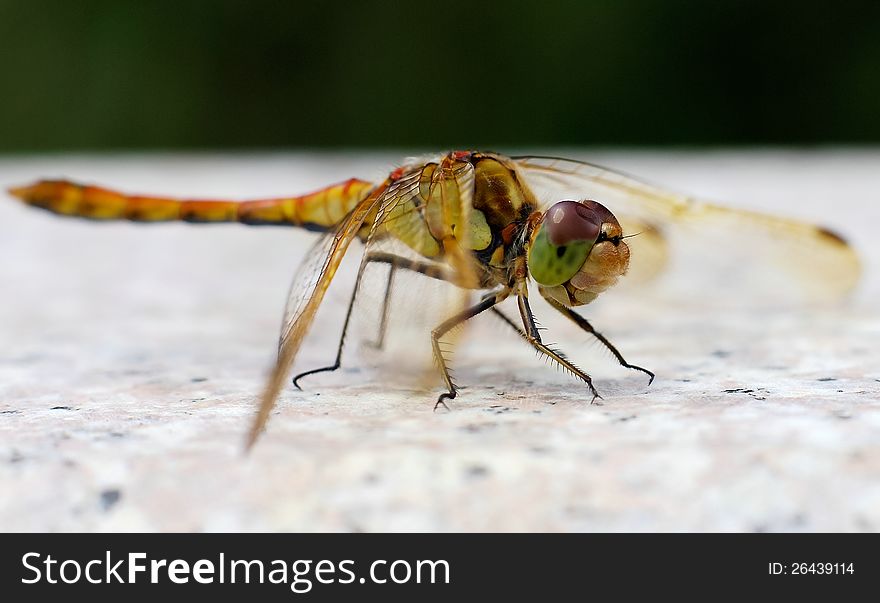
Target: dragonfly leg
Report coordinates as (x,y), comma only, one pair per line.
(530,333)
(398,262)
(429,269)
(394,262)
(386,303)
(509,322)
(338,362)
(584,324)
(447,325)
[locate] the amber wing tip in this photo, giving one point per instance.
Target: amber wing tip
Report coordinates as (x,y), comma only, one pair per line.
(833,236)
(251,439)
(257,428)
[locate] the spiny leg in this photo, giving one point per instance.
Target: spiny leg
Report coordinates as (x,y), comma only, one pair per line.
(394,262)
(584,324)
(531,335)
(449,324)
(510,323)
(525,310)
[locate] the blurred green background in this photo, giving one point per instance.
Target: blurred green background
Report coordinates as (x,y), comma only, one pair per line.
(95,74)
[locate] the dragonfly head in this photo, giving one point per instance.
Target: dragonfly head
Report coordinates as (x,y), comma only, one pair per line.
(577,251)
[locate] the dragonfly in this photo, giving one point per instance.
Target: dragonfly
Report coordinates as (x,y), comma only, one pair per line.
(479,222)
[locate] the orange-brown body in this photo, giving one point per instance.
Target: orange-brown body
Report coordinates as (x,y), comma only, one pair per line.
(319,210)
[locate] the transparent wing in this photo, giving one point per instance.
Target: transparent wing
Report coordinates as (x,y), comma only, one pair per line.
(311,283)
(442,194)
(454,186)
(305,280)
(718,249)
(399,306)
(648,245)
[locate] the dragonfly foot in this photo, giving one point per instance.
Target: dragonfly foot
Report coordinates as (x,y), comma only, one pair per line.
(441,401)
(324,369)
(644,370)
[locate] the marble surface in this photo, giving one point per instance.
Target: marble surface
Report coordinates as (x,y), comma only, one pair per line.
(130,358)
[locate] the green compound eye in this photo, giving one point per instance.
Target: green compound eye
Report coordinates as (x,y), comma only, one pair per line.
(551,265)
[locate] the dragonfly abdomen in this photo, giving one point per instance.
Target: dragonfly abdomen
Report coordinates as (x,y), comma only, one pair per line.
(320,210)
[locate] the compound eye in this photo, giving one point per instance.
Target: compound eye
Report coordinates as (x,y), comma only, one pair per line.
(563,242)
(569,221)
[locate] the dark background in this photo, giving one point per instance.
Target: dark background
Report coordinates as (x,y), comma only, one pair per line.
(94,74)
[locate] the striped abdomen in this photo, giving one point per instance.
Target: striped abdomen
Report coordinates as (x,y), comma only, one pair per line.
(319,210)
